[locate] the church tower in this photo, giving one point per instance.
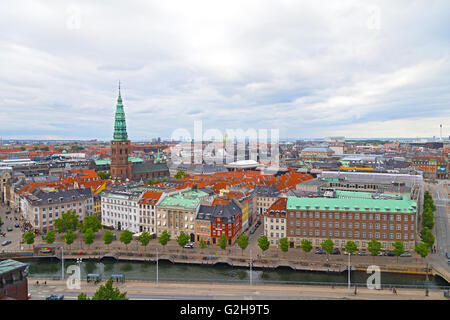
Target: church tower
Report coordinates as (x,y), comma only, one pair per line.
(120,145)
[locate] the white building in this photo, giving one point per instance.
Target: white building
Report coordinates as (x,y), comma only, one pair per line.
(120,210)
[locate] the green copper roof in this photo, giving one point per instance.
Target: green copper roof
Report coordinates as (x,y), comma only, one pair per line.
(120,127)
(404,205)
(187,200)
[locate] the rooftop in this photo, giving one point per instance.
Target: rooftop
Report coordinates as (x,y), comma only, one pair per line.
(10,265)
(363,204)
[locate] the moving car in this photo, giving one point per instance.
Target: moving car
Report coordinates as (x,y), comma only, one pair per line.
(189,246)
(55,296)
(9,229)
(16,225)
(6,242)
(447,255)
(252,231)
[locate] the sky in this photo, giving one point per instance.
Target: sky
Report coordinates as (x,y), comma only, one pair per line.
(307,68)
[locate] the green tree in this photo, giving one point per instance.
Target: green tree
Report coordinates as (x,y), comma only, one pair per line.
(351,247)
(88,237)
(67,221)
(306,245)
(263,243)
(284,244)
(151,182)
(91,222)
(50,237)
(242,242)
(223,241)
(144,238)
(164,238)
(108,237)
(29,238)
(427,236)
(69,237)
(82,296)
(202,244)
(104,175)
(108,292)
(328,246)
(398,248)
(422,249)
(181,174)
(183,239)
(125,237)
(374,247)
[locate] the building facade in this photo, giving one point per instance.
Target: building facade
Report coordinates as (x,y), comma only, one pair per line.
(275,221)
(354,216)
(41,208)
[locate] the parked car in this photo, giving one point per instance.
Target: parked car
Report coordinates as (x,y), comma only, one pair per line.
(6,242)
(320,251)
(55,296)
(447,255)
(29,296)
(336,251)
(448,261)
(390,253)
(9,229)
(252,231)
(8,212)
(362,253)
(189,246)
(261,234)
(406,254)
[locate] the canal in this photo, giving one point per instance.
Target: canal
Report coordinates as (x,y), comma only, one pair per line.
(136,270)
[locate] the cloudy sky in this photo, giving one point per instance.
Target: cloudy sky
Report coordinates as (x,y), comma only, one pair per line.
(310,69)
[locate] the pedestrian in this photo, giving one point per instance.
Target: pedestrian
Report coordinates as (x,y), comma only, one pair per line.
(37,282)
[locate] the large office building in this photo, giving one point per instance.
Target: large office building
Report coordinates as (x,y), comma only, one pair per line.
(355,216)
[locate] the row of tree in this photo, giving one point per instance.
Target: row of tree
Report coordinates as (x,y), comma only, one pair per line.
(428,239)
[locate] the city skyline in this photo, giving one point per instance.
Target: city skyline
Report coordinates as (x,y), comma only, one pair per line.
(359,71)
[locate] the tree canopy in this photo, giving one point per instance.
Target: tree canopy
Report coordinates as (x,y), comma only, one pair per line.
(50,237)
(105,292)
(69,237)
(91,222)
(422,249)
(67,221)
(29,237)
(223,241)
(284,244)
(164,238)
(374,247)
(104,175)
(183,239)
(263,243)
(427,236)
(125,237)
(108,237)
(88,236)
(351,247)
(327,245)
(144,238)
(306,245)
(242,242)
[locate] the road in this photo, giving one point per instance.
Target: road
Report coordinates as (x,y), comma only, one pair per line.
(139,290)
(442,226)
(10,221)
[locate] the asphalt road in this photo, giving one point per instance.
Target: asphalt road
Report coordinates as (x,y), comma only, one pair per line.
(9,221)
(442,226)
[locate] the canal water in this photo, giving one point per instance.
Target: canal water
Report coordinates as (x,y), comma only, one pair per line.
(137,270)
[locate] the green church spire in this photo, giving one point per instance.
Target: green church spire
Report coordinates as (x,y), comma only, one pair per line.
(120,127)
